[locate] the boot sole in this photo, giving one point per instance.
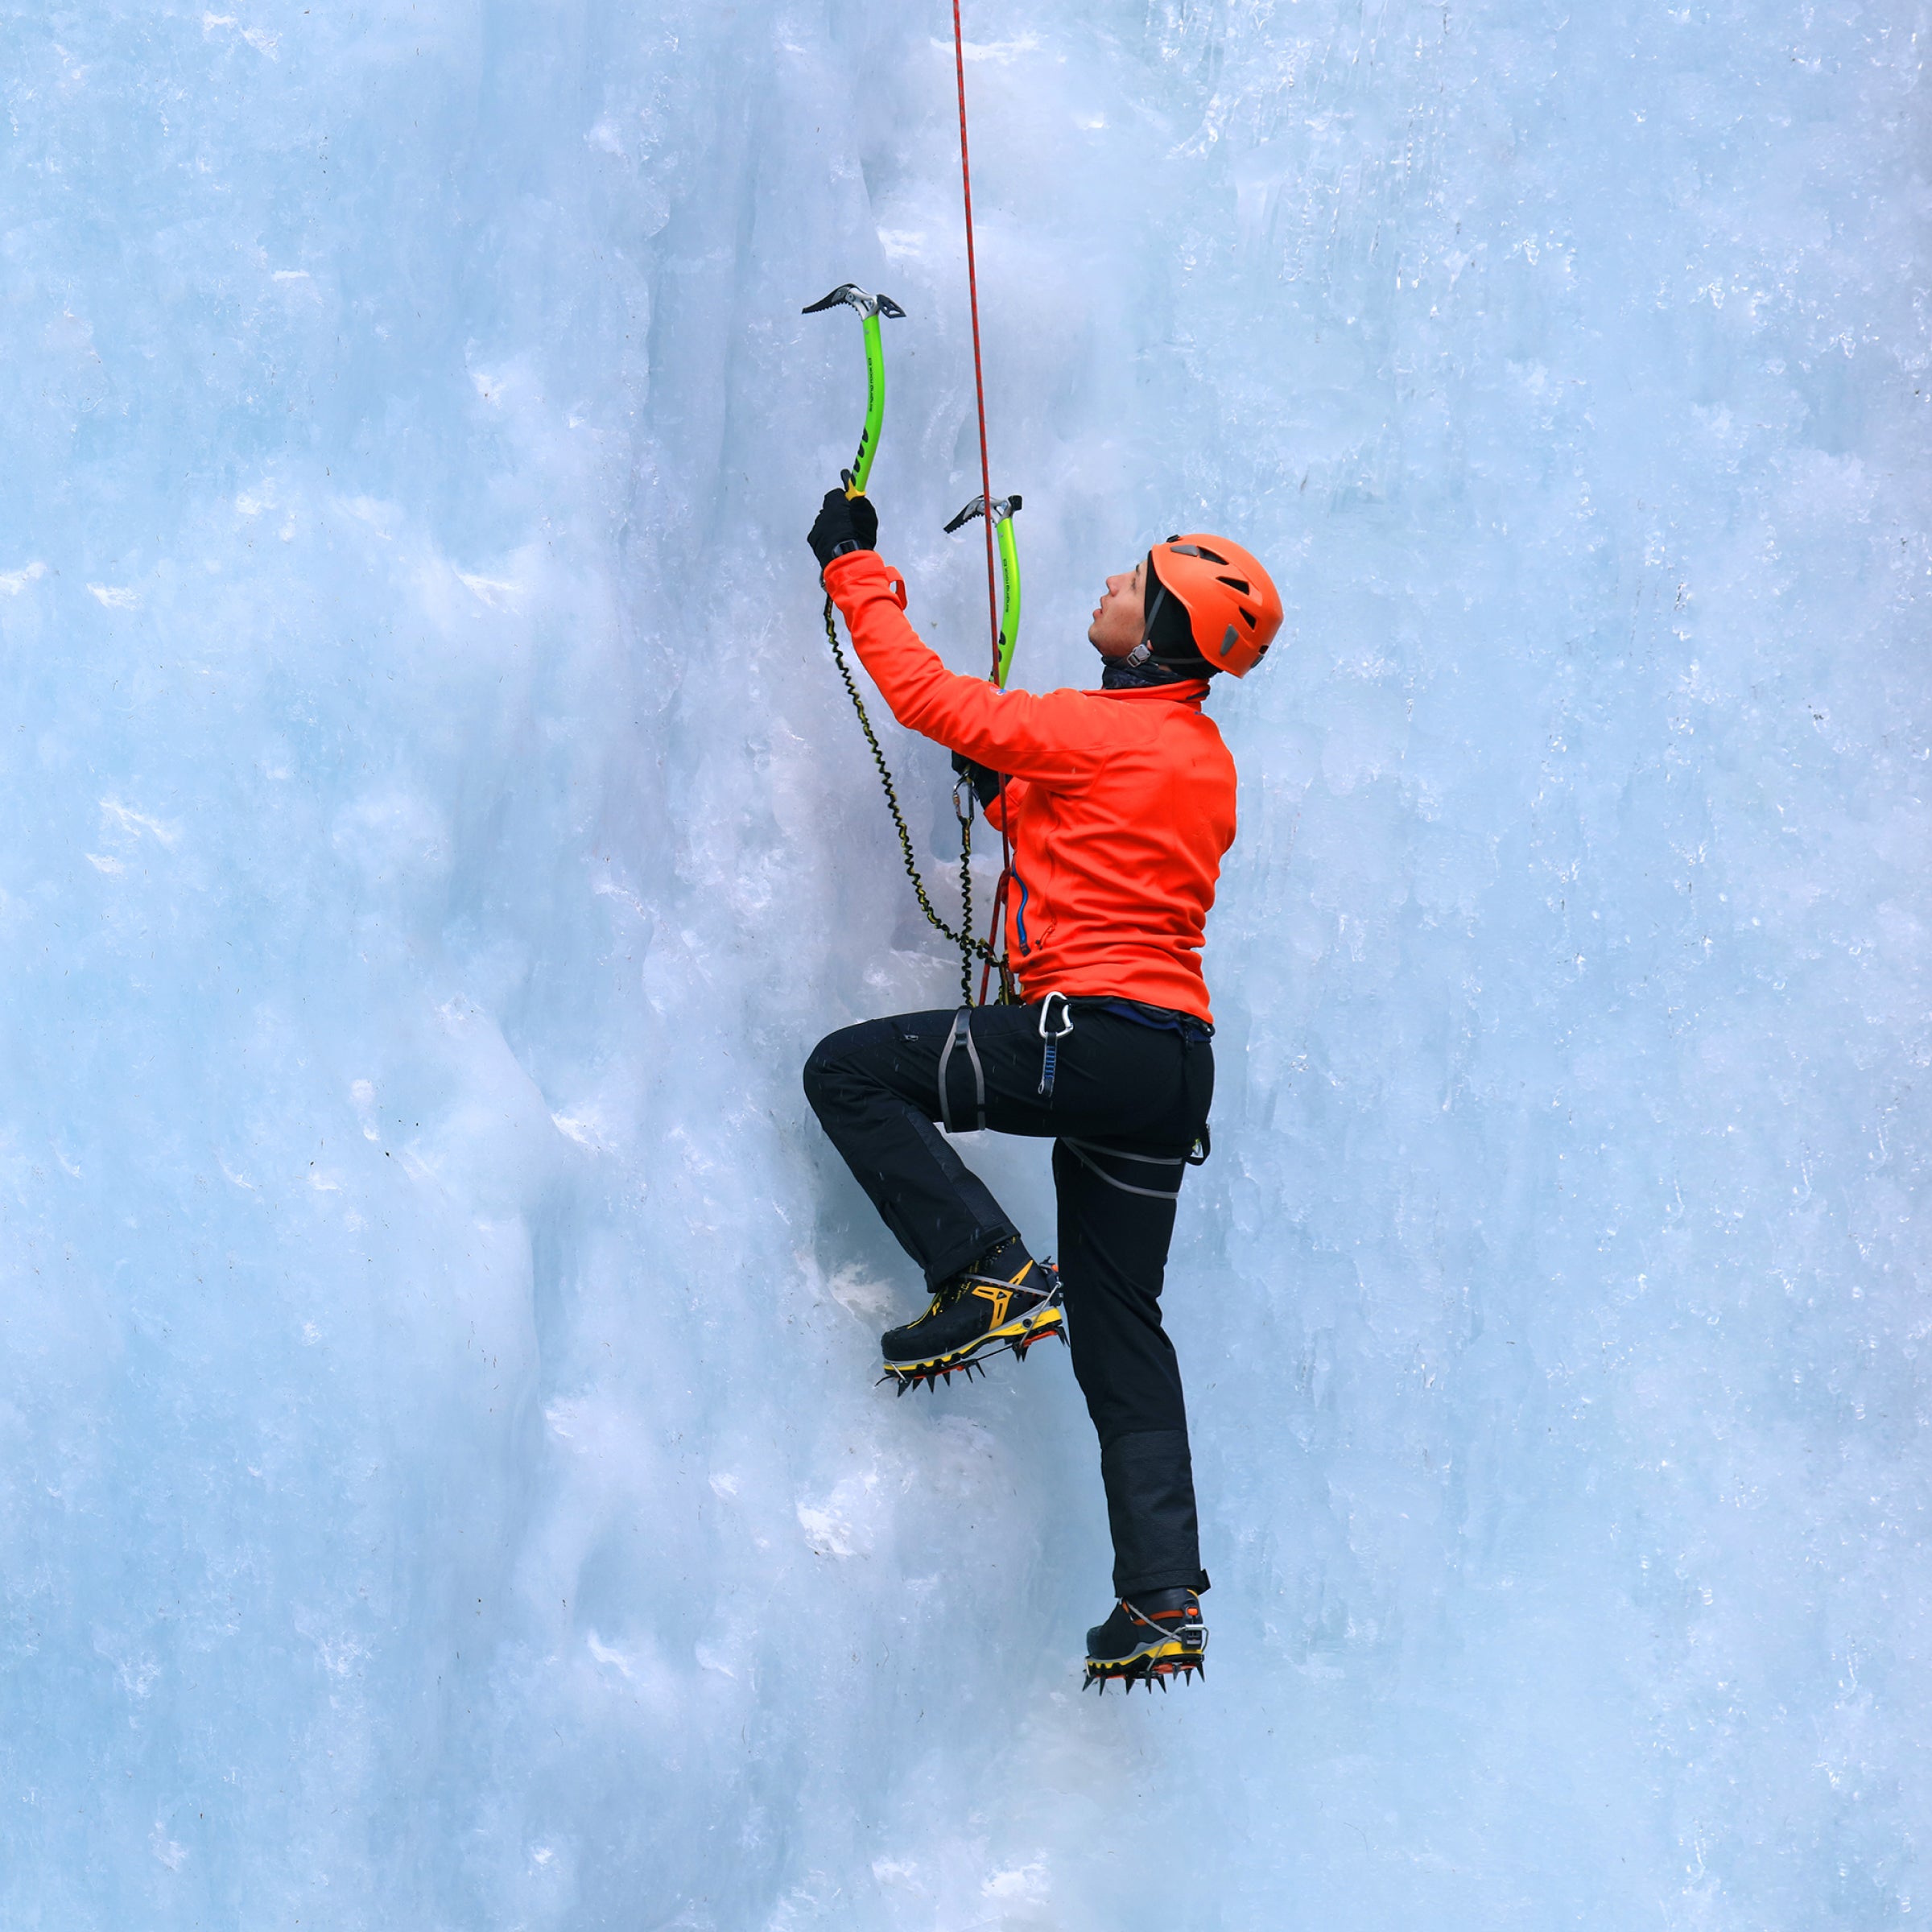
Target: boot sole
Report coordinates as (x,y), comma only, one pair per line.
(1155,1663)
(1019,1336)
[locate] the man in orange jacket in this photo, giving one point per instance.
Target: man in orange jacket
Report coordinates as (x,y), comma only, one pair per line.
(1118,805)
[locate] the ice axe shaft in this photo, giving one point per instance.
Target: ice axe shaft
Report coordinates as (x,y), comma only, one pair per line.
(871,308)
(1001,512)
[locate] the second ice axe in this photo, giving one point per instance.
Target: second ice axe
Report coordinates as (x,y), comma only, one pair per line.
(1002,513)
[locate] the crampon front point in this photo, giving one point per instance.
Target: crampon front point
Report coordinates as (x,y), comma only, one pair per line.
(1018,1335)
(1143,1671)
(1161,1636)
(960,1344)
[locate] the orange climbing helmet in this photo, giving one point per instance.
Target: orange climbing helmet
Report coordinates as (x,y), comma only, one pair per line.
(1233,609)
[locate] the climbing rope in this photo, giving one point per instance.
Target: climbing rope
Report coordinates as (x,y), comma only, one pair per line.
(1002,645)
(972,293)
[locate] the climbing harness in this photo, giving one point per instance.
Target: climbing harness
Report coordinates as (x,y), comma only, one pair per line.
(961,1036)
(1004,612)
(1083,1151)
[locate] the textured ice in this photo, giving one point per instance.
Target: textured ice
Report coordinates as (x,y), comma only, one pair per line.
(441,1480)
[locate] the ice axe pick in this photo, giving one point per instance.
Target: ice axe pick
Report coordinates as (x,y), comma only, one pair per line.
(870,308)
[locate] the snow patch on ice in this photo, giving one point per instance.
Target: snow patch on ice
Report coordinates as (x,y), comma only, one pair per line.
(499,593)
(844,1523)
(258,38)
(124,819)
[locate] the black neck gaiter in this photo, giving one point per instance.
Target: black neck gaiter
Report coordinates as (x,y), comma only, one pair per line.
(1117,676)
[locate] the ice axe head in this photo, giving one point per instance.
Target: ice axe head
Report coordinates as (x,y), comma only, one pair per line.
(851,293)
(1003,507)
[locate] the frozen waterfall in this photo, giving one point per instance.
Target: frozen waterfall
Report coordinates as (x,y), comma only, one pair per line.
(442,1484)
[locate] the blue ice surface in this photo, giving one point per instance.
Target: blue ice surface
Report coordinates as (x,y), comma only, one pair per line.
(441,1481)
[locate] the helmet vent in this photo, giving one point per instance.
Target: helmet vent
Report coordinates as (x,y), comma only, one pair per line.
(1239,584)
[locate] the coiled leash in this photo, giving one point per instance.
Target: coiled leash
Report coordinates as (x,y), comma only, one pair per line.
(1005,610)
(871,308)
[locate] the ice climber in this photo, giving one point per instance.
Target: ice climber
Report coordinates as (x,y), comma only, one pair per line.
(1118,804)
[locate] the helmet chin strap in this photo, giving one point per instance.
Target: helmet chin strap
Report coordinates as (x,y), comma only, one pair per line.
(1143,652)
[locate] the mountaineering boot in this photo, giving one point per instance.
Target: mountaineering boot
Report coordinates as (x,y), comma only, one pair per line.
(1155,1634)
(1005,1300)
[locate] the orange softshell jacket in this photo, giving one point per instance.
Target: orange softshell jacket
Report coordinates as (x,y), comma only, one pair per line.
(1119,805)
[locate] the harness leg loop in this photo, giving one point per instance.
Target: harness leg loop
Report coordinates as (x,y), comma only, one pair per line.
(961,1036)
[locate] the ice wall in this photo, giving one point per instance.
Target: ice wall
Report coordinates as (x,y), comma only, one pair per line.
(440,1481)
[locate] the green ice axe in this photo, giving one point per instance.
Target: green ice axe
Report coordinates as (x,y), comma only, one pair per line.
(1002,513)
(870,308)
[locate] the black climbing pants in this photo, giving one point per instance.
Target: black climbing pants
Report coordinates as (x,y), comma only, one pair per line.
(1128,1102)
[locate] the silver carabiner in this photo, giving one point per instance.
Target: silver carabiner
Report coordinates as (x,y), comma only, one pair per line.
(1049,1059)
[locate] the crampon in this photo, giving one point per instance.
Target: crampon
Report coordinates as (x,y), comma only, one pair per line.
(1159,1636)
(973,1317)
(1142,1671)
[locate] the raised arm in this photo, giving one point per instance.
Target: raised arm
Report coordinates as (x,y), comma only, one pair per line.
(1056,741)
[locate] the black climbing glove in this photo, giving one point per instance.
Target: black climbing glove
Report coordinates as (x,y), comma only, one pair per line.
(985,783)
(843,523)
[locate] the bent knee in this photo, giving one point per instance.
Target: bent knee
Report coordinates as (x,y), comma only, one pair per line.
(825,1063)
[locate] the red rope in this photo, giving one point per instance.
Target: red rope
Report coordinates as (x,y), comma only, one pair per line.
(979,378)
(979,386)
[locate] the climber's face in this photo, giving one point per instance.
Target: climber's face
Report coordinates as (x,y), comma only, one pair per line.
(1118,620)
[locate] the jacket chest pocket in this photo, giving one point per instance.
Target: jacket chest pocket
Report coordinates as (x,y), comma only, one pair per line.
(1040,895)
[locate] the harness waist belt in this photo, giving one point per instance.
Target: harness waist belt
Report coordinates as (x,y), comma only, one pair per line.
(1164,1019)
